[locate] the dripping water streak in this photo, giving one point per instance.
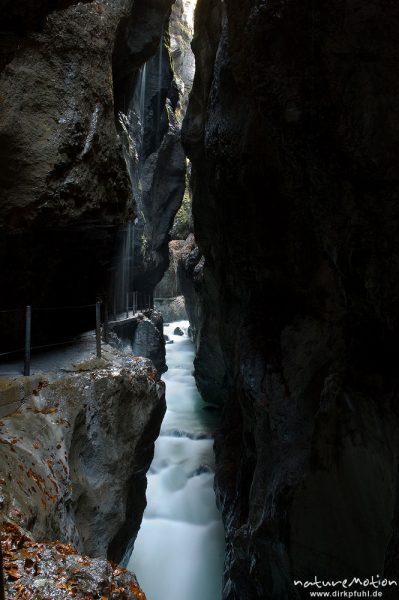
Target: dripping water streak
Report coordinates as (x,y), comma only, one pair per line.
(159,90)
(124,269)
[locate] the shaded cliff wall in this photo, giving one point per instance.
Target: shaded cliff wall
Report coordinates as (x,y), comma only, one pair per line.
(64,184)
(293,131)
(148,107)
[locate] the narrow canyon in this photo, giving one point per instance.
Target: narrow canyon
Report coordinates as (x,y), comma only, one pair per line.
(199,306)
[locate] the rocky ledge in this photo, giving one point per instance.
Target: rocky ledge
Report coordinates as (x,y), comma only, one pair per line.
(74,456)
(57,571)
(142,335)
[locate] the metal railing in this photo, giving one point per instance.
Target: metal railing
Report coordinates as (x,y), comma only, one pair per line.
(134,302)
(28,348)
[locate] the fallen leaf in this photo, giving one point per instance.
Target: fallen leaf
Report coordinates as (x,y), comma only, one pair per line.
(12,571)
(65,549)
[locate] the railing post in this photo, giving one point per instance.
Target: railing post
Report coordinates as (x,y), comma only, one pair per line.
(105,326)
(28,338)
(2,594)
(98,329)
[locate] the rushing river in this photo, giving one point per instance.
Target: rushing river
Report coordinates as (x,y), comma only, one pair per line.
(179,551)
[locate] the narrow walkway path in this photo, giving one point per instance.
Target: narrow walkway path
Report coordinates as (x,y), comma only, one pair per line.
(179,550)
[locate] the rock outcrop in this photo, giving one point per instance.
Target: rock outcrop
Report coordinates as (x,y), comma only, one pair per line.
(148,339)
(141,335)
(149,122)
(36,570)
(74,456)
(293,132)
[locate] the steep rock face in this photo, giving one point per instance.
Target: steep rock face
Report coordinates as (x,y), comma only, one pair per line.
(75,455)
(64,184)
(148,120)
(62,162)
(293,134)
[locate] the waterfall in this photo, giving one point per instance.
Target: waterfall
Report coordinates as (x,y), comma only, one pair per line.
(139,106)
(160,73)
(123,283)
(179,551)
(141,89)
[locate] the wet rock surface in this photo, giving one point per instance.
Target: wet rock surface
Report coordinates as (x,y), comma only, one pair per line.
(293,135)
(74,456)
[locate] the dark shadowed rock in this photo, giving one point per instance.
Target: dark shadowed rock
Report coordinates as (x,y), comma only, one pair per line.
(148,341)
(293,133)
(65,188)
(178,331)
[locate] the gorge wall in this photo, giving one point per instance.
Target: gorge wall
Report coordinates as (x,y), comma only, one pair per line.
(68,70)
(293,131)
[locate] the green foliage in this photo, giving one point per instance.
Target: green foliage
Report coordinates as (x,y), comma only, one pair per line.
(181,225)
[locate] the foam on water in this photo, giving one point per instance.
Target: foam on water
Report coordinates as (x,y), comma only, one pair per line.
(179,551)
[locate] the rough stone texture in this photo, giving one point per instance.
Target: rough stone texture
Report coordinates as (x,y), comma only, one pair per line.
(141,335)
(163,184)
(62,162)
(148,339)
(172,309)
(64,184)
(151,103)
(39,571)
(150,131)
(136,42)
(75,455)
(181,30)
(169,287)
(189,272)
(293,133)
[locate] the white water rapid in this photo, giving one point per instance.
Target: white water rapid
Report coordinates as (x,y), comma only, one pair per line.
(179,551)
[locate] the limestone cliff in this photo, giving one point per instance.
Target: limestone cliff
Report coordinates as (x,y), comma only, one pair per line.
(293,133)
